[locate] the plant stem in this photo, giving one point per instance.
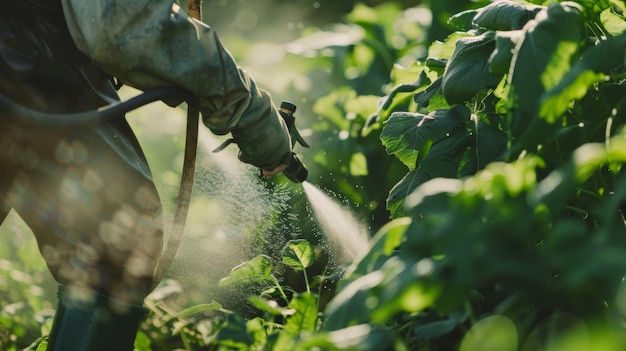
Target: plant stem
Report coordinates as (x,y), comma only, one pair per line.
(306,281)
(280,289)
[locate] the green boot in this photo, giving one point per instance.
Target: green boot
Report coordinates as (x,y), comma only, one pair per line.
(87,321)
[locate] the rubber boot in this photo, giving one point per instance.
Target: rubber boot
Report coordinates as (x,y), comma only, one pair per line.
(93,322)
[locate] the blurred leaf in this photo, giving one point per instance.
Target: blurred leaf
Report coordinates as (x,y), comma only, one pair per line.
(444,50)
(341,35)
(614,22)
(235,333)
(358,165)
(298,254)
(593,8)
(332,106)
(188,312)
(403,289)
(382,246)
(362,337)
(493,333)
(441,327)
(347,307)
(270,306)
(256,271)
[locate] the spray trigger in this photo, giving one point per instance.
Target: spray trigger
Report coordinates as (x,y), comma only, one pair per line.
(224,145)
(287,109)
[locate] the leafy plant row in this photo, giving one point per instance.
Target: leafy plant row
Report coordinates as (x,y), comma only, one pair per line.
(508,229)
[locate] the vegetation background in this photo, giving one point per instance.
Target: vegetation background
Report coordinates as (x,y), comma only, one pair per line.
(486,218)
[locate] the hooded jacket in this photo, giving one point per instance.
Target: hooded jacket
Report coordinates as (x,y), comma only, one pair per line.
(153,43)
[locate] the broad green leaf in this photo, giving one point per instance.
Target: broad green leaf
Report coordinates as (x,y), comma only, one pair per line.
(468,69)
(597,63)
(406,135)
(533,55)
(256,271)
(407,74)
(423,98)
(505,15)
(304,320)
(404,80)
(500,59)
(298,254)
(305,317)
(463,20)
(447,155)
(400,191)
(555,189)
(489,146)
(457,155)
(142,343)
(408,296)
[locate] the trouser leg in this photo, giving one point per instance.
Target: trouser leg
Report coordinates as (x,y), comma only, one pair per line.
(90,200)
(87,321)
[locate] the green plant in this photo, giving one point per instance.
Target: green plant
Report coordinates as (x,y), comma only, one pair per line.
(511,217)
(283,316)
(347,67)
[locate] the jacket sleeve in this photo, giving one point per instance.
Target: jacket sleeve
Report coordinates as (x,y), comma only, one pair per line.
(153,43)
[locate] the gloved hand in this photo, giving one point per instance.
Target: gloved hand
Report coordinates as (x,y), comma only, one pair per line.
(289,163)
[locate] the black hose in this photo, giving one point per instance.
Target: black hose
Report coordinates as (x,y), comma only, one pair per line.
(32,118)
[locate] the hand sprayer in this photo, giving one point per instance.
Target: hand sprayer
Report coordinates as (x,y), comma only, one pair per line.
(295,171)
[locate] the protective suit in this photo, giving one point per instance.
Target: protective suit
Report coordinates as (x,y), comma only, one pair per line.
(87,193)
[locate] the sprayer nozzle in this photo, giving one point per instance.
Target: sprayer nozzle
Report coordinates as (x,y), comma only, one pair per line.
(296,171)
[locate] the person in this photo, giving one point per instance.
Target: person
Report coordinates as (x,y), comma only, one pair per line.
(87,192)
